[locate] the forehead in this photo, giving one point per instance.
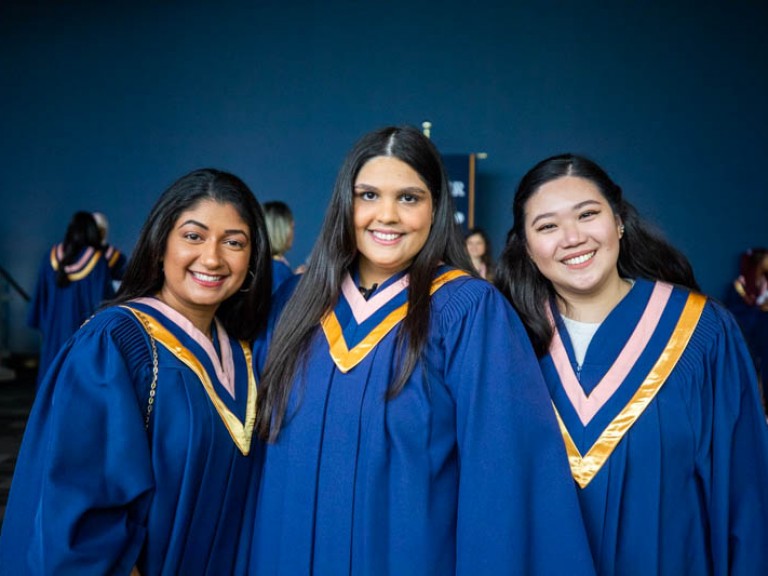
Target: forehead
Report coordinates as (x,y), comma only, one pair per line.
(208,209)
(563,193)
(381,170)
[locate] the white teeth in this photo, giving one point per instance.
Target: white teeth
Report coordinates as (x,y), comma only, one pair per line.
(388,236)
(579,259)
(206,277)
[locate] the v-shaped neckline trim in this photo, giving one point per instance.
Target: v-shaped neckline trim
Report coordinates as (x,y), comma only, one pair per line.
(588,405)
(347,358)
(224,366)
(584,468)
(363,309)
(241,432)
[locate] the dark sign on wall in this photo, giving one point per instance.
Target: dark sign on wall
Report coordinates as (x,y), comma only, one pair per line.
(461,174)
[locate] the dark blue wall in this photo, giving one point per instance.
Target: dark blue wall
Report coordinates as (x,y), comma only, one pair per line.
(102,107)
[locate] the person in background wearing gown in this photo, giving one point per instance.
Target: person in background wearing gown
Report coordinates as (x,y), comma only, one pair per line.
(651,381)
(280,226)
(410,430)
(115,258)
(138,456)
(479,249)
(747,299)
(73,281)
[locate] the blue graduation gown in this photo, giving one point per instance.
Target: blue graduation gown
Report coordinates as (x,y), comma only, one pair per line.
(280,273)
(668,443)
(116,261)
(58,312)
(462,473)
(94,492)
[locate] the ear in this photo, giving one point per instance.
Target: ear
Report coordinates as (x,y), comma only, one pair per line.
(620,227)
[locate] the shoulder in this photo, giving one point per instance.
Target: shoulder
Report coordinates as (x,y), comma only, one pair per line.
(117,325)
(466,294)
(710,320)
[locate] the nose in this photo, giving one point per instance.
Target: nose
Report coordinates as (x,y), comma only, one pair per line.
(211,256)
(387,213)
(572,234)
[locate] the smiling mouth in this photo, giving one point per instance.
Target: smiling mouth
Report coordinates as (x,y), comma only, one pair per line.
(579,259)
(207,277)
(385,236)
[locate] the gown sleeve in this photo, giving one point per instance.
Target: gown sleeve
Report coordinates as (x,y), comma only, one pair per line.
(517,512)
(737,457)
(83,478)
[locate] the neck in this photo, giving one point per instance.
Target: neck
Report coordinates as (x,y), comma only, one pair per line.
(593,308)
(201,319)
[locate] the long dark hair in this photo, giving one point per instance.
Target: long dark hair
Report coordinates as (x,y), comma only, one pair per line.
(82,232)
(644,253)
(335,251)
(244,313)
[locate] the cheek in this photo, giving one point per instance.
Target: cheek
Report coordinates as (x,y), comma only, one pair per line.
(359,217)
(537,251)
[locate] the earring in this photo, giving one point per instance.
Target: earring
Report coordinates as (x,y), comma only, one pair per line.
(621,230)
(253,275)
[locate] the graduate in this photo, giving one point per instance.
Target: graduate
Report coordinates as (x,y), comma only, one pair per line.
(479,249)
(139,455)
(115,257)
(280,226)
(410,430)
(74,279)
(747,299)
(651,381)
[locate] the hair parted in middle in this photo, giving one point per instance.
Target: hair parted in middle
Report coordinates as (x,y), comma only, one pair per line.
(244,313)
(643,253)
(335,252)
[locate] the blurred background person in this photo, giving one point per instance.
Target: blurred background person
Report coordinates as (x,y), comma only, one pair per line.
(747,299)
(74,279)
(479,249)
(115,258)
(280,225)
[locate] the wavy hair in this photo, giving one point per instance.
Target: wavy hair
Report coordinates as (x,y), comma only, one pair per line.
(643,253)
(334,253)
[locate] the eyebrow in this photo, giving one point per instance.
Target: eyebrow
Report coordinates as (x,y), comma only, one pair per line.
(573,208)
(409,189)
(204,227)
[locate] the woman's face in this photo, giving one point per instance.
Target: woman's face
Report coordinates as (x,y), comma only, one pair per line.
(392,217)
(573,237)
(206,260)
(475,246)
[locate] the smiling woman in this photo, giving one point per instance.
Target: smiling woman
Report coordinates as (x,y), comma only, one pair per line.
(138,456)
(410,429)
(651,381)
(206,261)
(392,216)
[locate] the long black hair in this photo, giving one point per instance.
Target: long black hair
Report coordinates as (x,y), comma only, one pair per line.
(643,253)
(244,313)
(335,251)
(82,232)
